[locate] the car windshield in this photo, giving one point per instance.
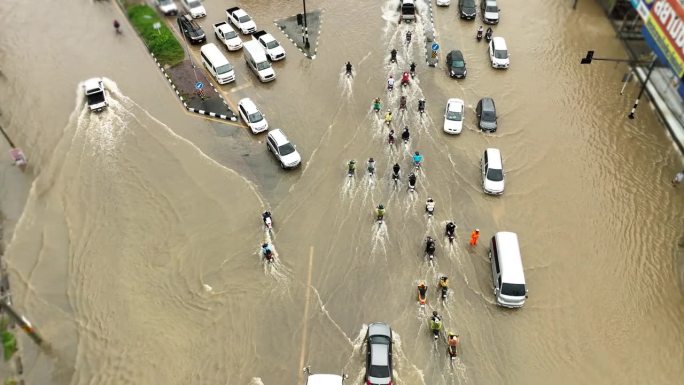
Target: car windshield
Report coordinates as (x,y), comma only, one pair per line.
(380,340)
(263,65)
(458,64)
(272,44)
(224,69)
(491,8)
(165,2)
(95,98)
(230,34)
(286,149)
(501,54)
(244,19)
(488,116)
(379,371)
(255,117)
(495,175)
(513,289)
(454,115)
(194,4)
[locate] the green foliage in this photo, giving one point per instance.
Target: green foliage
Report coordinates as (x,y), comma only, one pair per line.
(162,43)
(9,344)
(11,381)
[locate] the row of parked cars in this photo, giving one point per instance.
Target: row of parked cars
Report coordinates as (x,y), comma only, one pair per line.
(468,10)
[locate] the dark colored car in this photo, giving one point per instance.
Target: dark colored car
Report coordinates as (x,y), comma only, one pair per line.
(467,9)
(456,64)
(486,114)
(191,29)
(379,354)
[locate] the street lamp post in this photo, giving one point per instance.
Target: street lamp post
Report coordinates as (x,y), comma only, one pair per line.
(590,57)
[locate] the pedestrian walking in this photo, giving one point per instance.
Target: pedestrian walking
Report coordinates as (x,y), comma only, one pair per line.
(474,236)
(678,178)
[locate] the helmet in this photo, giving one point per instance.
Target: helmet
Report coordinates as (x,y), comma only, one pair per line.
(406,128)
(421,284)
(444,278)
(477,230)
(381,206)
(264,245)
(417,153)
(430,199)
(391,76)
(434,313)
(371,160)
(352,161)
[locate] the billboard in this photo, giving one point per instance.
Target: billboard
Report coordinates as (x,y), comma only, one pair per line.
(664,30)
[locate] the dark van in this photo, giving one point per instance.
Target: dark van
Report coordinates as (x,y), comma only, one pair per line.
(408,11)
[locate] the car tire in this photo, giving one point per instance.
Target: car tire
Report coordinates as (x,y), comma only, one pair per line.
(282,165)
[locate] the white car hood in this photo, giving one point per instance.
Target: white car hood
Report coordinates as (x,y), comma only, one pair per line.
(248,25)
(198,10)
(258,126)
(279,50)
(291,160)
(454,126)
(494,187)
(168,7)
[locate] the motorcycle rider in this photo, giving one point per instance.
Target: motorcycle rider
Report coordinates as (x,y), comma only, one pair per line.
(413,68)
(266,251)
(393,55)
(430,246)
(405,77)
(408,37)
(371,166)
(395,169)
(479,33)
(421,105)
(388,117)
(348,67)
(351,167)
(412,180)
(488,34)
(444,283)
(422,289)
(266,216)
(377,105)
(402,102)
(380,212)
(417,159)
(430,206)
(405,134)
(435,324)
(390,137)
(450,229)
(453,342)
(390,83)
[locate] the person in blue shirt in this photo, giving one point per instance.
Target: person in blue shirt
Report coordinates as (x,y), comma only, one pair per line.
(267,252)
(417,159)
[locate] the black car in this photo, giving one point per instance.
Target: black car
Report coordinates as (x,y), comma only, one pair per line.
(467,9)
(191,29)
(456,64)
(486,114)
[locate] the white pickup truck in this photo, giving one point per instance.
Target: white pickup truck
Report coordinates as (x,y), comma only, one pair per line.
(241,20)
(227,36)
(273,49)
(95,94)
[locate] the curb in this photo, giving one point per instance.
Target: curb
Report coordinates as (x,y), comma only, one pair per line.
(318,39)
(428,43)
(195,110)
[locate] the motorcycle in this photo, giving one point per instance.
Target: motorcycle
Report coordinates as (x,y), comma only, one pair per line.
(451,237)
(430,207)
(422,295)
(268,255)
(412,71)
(451,351)
(421,106)
(390,138)
(488,36)
(444,287)
(405,79)
(402,103)
(479,35)
(435,326)
(377,106)
(393,56)
(430,248)
(405,136)
(412,184)
(268,221)
(390,87)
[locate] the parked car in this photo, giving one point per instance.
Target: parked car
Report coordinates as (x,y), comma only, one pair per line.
(498,53)
(191,30)
(453,116)
(456,64)
(467,9)
(273,49)
(252,116)
(486,114)
(167,7)
(227,35)
(282,149)
(492,172)
(241,20)
(490,11)
(94,91)
(379,354)
(194,7)
(443,3)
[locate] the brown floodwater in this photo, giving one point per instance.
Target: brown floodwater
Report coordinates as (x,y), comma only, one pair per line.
(137,252)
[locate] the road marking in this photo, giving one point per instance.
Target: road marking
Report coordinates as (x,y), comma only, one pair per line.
(305,330)
(240,87)
(218,120)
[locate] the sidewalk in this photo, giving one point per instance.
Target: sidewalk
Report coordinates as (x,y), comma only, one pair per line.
(667,101)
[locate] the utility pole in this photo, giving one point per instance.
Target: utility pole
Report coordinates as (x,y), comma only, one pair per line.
(306,28)
(643,88)
(574,5)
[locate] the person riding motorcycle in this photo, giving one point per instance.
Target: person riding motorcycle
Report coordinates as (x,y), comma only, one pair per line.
(388,117)
(393,55)
(348,67)
(117,26)
(444,282)
(402,102)
(452,340)
(450,229)
(377,105)
(412,180)
(405,135)
(405,78)
(266,217)
(488,34)
(266,251)
(380,212)
(413,68)
(430,246)
(351,167)
(421,105)
(422,290)
(479,33)
(408,37)
(417,159)
(430,206)
(390,137)
(396,168)
(435,324)
(390,82)
(371,166)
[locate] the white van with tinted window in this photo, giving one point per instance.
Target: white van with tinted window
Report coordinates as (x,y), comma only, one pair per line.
(256,60)
(217,64)
(508,276)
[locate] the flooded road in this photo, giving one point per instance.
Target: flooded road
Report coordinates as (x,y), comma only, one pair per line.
(137,254)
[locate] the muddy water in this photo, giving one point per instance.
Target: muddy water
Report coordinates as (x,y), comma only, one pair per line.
(137,253)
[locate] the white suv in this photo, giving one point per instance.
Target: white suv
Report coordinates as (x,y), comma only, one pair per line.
(498,53)
(492,172)
(252,116)
(282,149)
(195,8)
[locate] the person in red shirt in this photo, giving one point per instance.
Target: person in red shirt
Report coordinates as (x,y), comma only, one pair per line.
(474,236)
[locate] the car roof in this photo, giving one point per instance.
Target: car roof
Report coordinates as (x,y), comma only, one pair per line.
(267,37)
(225,27)
(278,136)
(487,103)
(249,105)
(379,354)
(510,260)
(455,102)
(379,329)
(494,158)
(499,42)
(324,379)
(92,83)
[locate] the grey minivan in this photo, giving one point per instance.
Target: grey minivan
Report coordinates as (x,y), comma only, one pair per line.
(486,114)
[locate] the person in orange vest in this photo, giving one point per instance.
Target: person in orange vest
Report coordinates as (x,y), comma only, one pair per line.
(474,236)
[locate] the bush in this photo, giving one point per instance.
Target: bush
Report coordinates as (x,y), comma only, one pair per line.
(162,43)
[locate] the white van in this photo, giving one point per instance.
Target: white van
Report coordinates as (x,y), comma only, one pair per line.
(256,60)
(507,270)
(217,64)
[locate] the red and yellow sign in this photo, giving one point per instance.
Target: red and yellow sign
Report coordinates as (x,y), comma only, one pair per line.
(665,24)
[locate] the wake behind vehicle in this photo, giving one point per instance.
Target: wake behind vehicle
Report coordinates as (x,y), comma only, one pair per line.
(241,20)
(379,354)
(270,45)
(96,98)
